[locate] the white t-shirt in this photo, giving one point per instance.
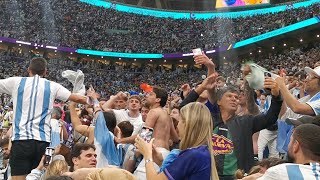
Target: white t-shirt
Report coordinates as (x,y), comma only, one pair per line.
(123,115)
(290,171)
(313,102)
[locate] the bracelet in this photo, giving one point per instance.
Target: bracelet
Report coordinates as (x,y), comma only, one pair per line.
(94,113)
(148,160)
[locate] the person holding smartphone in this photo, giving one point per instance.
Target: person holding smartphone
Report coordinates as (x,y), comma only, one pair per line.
(196,159)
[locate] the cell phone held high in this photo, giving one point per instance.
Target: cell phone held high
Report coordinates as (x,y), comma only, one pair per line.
(48,156)
(197,51)
(146,133)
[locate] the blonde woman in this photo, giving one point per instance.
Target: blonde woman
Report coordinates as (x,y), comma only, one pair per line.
(56,167)
(196,159)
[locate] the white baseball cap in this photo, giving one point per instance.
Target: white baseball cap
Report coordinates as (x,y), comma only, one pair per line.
(315,71)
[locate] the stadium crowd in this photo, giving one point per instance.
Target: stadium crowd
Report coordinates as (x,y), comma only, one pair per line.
(225,121)
(290,64)
(79,25)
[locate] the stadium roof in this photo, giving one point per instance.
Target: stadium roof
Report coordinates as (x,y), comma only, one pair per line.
(183,5)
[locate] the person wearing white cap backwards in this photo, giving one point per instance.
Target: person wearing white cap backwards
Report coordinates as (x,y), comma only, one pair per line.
(308,105)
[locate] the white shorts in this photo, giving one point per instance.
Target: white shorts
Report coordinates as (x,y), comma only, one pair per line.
(140,172)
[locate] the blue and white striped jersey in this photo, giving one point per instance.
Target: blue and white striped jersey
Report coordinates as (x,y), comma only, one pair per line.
(33,99)
(290,171)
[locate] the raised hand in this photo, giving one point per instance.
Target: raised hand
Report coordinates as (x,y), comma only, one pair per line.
(203,59)
(269,83)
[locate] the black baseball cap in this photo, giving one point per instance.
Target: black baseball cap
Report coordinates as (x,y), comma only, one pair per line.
(304,120)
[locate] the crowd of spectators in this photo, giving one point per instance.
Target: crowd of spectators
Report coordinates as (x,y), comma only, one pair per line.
(111,78)
(79,25)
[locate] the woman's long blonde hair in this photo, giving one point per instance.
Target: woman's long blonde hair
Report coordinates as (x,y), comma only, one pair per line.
(56,168)
(198,130)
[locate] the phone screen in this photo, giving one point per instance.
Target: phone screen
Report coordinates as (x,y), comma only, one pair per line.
(146,133)
(48,155)
(197,51)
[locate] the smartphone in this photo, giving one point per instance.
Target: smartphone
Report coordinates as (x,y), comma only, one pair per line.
(267,74)
(146,133)
(197,51)
(48,156)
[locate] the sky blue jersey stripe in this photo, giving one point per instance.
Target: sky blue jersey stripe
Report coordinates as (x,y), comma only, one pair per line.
(294,172)
(34,105)
(314,169)
(19,104)
(29,111)
(45,108)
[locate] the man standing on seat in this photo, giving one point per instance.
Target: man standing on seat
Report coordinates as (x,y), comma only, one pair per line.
(160,121)
(33,99)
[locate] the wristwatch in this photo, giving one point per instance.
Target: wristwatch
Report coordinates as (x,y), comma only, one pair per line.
(148,160)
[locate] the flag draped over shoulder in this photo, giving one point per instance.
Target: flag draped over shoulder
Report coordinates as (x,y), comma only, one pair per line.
(107,152)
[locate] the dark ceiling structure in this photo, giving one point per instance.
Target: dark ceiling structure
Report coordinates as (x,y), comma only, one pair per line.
(187,5)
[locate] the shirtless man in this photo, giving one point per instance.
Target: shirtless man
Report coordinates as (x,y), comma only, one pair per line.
(160,121)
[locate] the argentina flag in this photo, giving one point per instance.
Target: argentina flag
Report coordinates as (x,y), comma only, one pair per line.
(108,153)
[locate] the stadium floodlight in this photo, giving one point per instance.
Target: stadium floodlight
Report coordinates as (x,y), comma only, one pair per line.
(22,42)
(188,54)
(51,47)
(212,51)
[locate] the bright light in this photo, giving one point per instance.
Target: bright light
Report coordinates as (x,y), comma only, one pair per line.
(88,55)
(119,58)
(180,60)
(150,60)
(284,44)
(71,53)
(19,44)
(36,47)
(301,40)
(224,57)
(165,61)
(135,60)
(55,50)
(101,56)
(272,47)
(259,51)
(318,35)
(251,53)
